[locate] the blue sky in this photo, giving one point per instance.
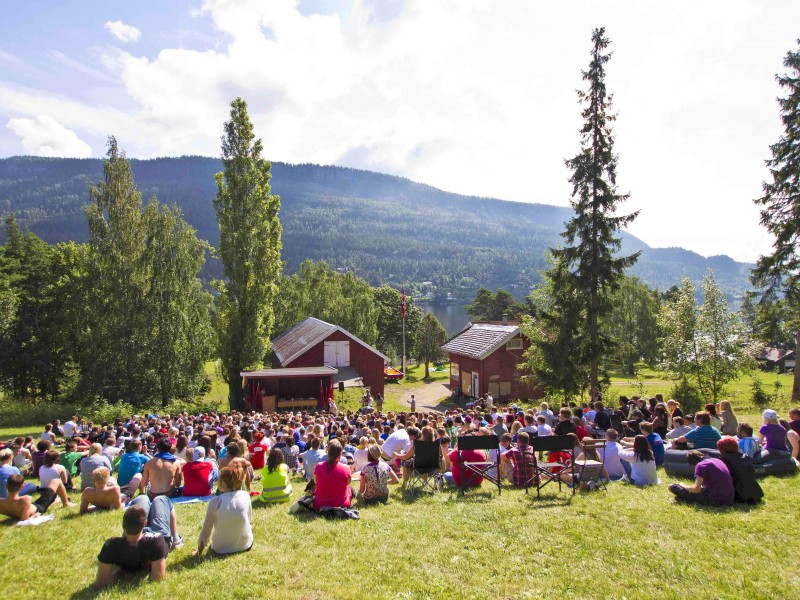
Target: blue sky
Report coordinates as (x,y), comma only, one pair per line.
(472,96)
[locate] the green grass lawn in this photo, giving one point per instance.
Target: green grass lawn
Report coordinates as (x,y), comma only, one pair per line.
(624,542)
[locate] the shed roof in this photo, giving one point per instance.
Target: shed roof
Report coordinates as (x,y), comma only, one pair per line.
(296,372)
(307,333)
(479,340)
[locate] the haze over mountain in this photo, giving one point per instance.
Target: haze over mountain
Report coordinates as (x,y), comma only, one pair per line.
(384,228)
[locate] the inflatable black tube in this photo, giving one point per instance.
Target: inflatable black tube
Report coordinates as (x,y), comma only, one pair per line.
(769,462)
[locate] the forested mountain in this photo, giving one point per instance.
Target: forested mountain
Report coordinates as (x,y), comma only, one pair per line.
(386,229)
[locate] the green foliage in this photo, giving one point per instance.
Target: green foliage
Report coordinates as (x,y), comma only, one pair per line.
(250,250)
(555,356)
(428,338)
(688,395)
(37,333)
(146,326)
(493,307)
(708,345)
(759,397)
(338,298)
(592,245)
(387,302)
(632,325)
(780,206)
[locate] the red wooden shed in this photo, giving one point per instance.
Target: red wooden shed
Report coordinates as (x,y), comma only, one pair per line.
(485,358)
(315,343)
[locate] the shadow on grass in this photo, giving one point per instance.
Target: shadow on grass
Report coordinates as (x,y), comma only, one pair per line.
(125,582)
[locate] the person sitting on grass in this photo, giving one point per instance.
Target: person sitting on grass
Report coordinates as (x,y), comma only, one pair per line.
(198,474)
(129,469)
(37,457)
(229,516)
(565,424)
(137,550)
(23,507)
(52,469)
(678,428)
(332,480)
(729,423)
(713,485)
(103,494)
(48,435)
(376,476)
(702,436)
(22,457)
(772,434)
(793,433)
(69,459)
(716,422)
(93,460)
(7,470)
(470,478)
(275,483)
(610,455)
(639,463)
(745,486)
(748,445)
(407,458)
(162,473)
(655,441)
(234,458)
(521,460)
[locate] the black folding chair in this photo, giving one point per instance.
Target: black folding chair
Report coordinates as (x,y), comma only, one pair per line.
(549,471)
(427,473)
(483,468)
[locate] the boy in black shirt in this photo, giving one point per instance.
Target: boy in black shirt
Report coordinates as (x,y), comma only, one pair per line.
(134,551)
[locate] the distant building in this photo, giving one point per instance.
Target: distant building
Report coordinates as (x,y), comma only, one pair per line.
(484,357)
(315,343)
(771,359)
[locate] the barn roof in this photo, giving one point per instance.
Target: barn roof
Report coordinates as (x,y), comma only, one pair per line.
(307,333)
(297,372)
(479,340)
(774,354)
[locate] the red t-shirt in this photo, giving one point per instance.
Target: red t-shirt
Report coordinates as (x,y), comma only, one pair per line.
(333,486)
(195,478)
(258,454)
(472,480)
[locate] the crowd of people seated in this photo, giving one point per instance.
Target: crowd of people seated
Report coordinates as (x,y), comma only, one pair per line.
(145,463)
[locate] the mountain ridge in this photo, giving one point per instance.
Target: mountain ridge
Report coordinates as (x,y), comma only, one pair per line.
(387,229)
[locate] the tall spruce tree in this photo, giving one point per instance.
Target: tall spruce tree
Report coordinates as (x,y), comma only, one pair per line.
(779,271)
(592,244)
(250,249)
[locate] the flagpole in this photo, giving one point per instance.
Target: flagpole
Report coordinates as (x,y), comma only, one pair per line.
(403,312)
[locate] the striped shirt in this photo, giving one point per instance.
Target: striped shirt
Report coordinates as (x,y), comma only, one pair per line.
(704,436)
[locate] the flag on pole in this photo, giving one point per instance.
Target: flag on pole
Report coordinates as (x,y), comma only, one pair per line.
(403,304)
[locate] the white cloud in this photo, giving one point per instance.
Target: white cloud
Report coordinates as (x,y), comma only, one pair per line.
(123,32)
(44,136)
(473,97)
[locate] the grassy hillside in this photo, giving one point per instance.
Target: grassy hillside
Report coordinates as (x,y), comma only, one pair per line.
(386,229)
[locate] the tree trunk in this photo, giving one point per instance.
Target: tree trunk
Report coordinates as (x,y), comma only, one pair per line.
(796,383)
(427,371)
(234,389)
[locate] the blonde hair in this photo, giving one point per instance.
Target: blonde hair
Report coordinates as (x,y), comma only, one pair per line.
(516,427)
(95,449)
(725,405)
(100,477)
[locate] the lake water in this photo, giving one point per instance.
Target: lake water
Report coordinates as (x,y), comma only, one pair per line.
(453,317)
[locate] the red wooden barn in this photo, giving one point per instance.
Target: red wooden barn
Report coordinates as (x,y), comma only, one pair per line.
(315,343)
(485,358)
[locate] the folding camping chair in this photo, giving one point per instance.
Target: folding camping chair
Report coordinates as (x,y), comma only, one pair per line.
(427,473)
(587,474)
(549,471)
(483,468)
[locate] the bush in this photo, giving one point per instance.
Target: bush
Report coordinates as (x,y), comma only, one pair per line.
(688,395)
(760,397)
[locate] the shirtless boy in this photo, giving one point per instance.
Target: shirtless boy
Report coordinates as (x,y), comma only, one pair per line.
(101,495)
(162,472)
(23,507)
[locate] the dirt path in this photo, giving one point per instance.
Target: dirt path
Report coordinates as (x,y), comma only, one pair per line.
(429,396)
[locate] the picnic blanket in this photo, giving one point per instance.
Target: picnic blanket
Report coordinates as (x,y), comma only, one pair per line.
(190,499)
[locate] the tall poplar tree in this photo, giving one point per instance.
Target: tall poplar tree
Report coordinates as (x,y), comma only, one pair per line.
(779,271)
(250,249)
(592,244)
